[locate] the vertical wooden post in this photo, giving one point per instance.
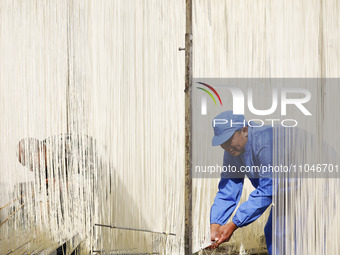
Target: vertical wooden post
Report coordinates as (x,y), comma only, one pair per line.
(188,130)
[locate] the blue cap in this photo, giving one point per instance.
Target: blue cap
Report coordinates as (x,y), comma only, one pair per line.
(225,124)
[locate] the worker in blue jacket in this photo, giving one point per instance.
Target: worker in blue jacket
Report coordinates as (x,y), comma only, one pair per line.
(244,146)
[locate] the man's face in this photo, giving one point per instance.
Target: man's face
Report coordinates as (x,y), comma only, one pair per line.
(235,145)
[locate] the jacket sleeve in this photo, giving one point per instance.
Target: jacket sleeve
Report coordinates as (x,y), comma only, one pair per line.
(227,198)
(261,197)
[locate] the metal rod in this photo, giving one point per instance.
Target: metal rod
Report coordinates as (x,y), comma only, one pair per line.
(12,214)
(11,251)
(116,250)
(188,129)
(11,202)
(134,229)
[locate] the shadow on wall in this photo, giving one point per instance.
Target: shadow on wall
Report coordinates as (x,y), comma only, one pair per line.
(73,190)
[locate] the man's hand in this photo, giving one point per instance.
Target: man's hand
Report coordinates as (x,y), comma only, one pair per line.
(224,234)
(214,230)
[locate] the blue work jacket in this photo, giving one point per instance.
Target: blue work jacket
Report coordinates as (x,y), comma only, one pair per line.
(258,152)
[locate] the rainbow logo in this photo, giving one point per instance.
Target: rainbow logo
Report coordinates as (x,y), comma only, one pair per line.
(209,93)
